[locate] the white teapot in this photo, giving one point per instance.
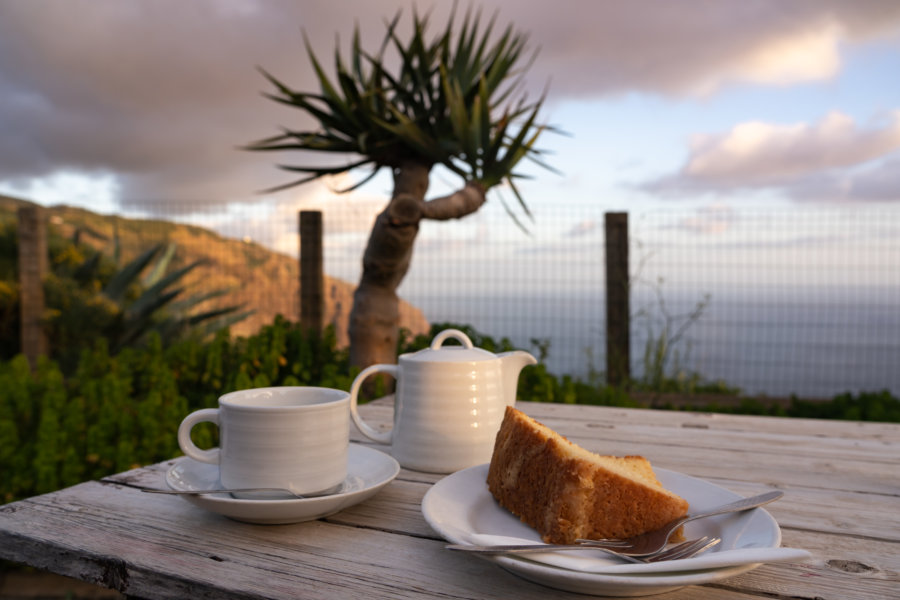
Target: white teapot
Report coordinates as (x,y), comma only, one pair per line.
(449,403)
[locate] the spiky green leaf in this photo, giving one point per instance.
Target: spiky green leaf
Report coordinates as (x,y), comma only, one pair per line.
(450,99)
(118,286)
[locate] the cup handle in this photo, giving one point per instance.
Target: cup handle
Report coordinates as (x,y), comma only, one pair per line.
(210,415)
(383,437)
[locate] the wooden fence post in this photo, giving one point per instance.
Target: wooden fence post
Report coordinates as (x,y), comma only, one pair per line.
(32,271)
(618,325)
(312,276)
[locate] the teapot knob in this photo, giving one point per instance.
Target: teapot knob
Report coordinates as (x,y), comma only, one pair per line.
(451,333)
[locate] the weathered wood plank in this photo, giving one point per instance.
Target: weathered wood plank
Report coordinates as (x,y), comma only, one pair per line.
(98,540)
(823,428)
(703,449)
(842,567)
(879,442)
(32,263)
(397,508)
(822,490)
(797,443)
(312,272)
(842,503)
(229,559)
(618,299)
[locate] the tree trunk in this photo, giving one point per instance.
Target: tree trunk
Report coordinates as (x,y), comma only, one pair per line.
(375,319)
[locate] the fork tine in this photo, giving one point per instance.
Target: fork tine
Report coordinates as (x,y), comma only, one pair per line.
(686,549)
(712,542)
(676,552)
(606,543)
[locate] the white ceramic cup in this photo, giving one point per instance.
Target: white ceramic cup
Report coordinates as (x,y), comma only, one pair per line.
(294,438)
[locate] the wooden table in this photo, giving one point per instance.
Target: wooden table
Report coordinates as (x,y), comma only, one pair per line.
(842,503)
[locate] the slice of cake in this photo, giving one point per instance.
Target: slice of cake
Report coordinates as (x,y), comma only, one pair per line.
(566,492)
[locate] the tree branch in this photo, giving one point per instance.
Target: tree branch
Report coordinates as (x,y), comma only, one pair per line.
(457,205)
(404,210)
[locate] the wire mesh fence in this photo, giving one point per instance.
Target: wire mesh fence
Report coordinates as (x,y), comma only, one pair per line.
(800,303)
(803,302)
(774,303)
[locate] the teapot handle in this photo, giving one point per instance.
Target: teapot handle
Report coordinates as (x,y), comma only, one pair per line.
(383,437)
(451,333)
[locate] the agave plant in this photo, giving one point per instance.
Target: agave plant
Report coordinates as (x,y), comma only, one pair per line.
(123,307)
(454,100)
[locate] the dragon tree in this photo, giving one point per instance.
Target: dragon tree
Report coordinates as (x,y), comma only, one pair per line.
(454,100)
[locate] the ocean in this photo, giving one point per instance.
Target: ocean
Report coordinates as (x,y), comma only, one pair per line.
(812,343)
(803,302)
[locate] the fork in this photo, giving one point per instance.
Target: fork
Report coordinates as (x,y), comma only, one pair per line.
(683,550)
(654,541)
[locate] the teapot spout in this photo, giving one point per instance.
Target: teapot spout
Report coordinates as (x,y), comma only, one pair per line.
(513,363)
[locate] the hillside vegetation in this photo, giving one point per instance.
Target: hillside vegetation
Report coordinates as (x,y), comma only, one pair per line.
(256,278)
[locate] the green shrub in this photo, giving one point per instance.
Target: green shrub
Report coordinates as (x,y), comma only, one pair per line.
(19,413)
(867,406)
(120,411)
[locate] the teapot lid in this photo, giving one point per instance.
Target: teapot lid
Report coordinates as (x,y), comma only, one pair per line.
(465,353)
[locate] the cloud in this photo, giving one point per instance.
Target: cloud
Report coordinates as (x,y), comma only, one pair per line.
(763,152)
(696,47)
(876,183)
(798,158)
(583,228)
(712,219)
(98,189)
(345,213)
(796,56)
(273,220)
(159,93)
(156,96)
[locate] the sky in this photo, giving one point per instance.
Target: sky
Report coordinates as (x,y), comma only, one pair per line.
(708,107)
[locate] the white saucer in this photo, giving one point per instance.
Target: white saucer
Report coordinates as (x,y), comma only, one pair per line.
(460,508)
(368,471)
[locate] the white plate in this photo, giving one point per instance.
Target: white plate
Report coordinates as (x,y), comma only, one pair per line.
(460,506)
(368,471)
